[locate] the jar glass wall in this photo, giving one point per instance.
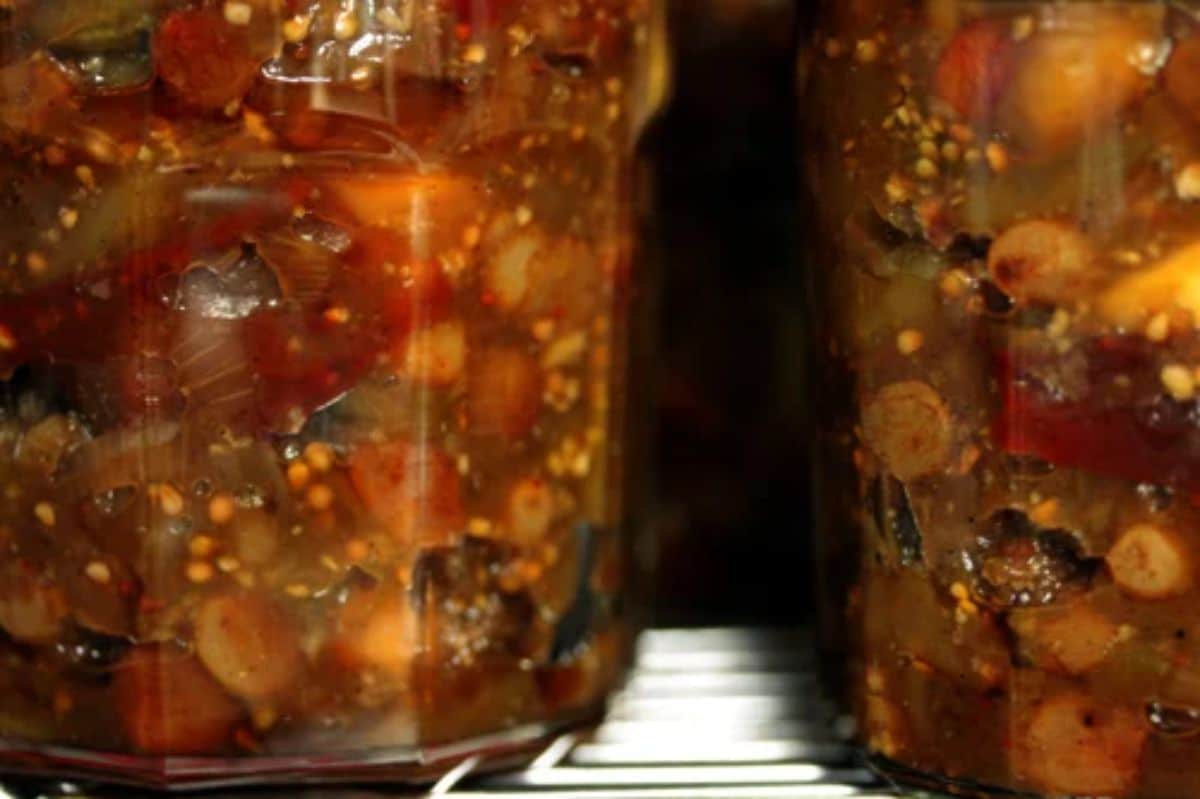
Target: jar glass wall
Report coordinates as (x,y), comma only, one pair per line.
(1005,275)
(313,350)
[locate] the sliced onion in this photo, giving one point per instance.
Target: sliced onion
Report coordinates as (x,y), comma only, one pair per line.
(304,268)
(127,457)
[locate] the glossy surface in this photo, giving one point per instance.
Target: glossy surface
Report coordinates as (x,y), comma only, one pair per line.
(312,337)
(1007,266)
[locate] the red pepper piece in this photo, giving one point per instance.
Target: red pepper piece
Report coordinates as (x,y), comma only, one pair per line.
(1156,442)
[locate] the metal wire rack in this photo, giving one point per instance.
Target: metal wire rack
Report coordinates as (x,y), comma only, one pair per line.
(706,714)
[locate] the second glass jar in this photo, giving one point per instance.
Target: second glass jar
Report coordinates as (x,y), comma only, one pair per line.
(1008,267)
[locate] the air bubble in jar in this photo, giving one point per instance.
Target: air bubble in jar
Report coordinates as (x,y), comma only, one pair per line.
(180,525)
(32,407)
(114,500)
(250,496)
(111,71)
(995,301)
(1173,722)
(1158,497)
(291,449)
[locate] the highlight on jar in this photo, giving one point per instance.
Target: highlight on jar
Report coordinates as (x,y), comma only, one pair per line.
(312,380)
(1009,214)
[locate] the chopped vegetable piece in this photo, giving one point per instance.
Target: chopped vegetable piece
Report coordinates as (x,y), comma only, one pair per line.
(32,609)
(530,511)
(1149,561)
(1042,261)
(437,355)
(1074,639)
(169,704)
(1095,79)
(504,394)
(975,69)
(377,630)
(431,211)
(204,61)
(249,644)
(412,489)
(1081,746)
(1171,284)
(909,427)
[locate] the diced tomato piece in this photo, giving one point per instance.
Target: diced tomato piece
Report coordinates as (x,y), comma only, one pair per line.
(975,68)
(205,62)
(412,488)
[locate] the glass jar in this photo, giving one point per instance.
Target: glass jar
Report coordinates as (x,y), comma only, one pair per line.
(313,348)
(1007,276)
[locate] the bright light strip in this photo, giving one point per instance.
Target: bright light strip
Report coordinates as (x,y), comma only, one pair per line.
(609,754)
(664,776)
(698,792)
(685,732)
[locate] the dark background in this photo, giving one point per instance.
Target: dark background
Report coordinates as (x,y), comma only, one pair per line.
(730,455)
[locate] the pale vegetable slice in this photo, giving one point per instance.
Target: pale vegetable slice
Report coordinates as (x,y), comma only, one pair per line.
(1041,260)
(506,273)
(909,427)
(255,536)
(1078,746)
(1073,78)
(1171,284)
(504,393)
(530,511)
(249,644)
(412,489)
(432,211)
(45,444)
(31,607)
(170,705)
(377,630)
(886,728)
(1150,562)
(1074,639)
(436,355)
(526,271)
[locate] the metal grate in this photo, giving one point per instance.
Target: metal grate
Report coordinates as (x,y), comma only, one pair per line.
(726,713)
(706,714)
